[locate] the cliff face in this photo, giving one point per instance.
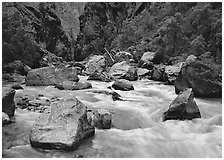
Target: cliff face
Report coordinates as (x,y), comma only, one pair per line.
(51,26)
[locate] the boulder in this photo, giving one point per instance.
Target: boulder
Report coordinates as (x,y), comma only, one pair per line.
(8,105)
(64,127)
(13,77)
(171,72)
(68,85)
(158,73)
(17,67)
(183,107)
(100,76)
(16,86)
(5,119)
(123,70)
(202,78)
(123,85)
(148,65)
(50,76)
(191,58)
(95,63)
(143,72)
(148,57)
(115,95)
(100,118)
(123,56)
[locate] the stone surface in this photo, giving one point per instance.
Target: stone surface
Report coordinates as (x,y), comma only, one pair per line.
(50,76)
(171,72)
(148,56)
(158,73)
(191,58)
(50,59)
(115,95)
(100,76)
(123,85)
(68,85)
(143,72)
(100,118)
(16,86)
(123,70)
(202,78)
(183,107)
(17,67)
(123,56)
(64,127)
(5,119)
(8,105)
(95,63)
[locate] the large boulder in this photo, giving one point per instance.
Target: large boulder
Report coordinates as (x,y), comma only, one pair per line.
(158,73)
(68,85)
(148,57)
(142,72)
(8,105)
(102,119)
(202,78)
(123,56)
(17,67)
(123,70)
(95,63)
(123,85)
(100,76)
(5,119)
(171,72)
(183,107)
(64,127)
(16,86)
(50,76)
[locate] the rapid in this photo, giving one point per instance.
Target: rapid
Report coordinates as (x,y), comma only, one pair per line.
(138,130)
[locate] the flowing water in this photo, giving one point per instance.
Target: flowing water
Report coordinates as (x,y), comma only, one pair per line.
(138,130)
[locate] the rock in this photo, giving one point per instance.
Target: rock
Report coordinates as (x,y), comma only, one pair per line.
(8,105)
(115,95)
(191,58)
(123,85)
(5,119)
(183,107)
(50,76)
(50,59)
(202,78)
(148,57)
(143,72)
(148,65)
(17,67)
(123,56)
(16,86)
(68,85)
(13,77)
(158,73)
(101,119)
(64,127)
(103,76)
(171,72)
(95,63)
(124,71)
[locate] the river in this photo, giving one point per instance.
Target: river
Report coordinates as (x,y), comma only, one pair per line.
(138,130)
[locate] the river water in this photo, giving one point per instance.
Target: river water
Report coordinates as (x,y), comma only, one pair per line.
(138,130)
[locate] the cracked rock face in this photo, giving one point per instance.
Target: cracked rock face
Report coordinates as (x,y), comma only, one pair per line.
(64,127)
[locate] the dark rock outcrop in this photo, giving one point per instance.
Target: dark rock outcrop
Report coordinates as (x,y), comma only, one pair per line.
(16,67)
(123,56)
(65,127)
(100,118)
(123,85)
(183,107)
(115,95)
(13,77)
(68,85)
(16,86)
(50,76)
(5,119)
(100,76)
(202,78)
(95,63)
(8,105)
(49,59)
(158,73)
(123,70)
